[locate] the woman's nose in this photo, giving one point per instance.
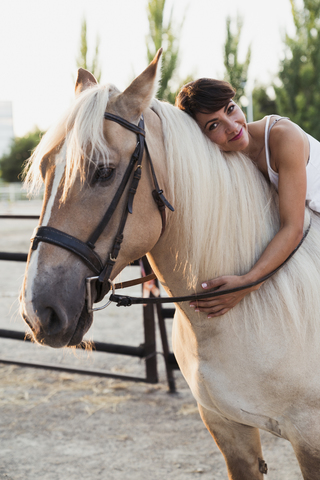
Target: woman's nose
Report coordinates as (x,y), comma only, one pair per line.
(231,127)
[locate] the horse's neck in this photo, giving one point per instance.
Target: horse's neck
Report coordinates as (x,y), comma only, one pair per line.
(163,260)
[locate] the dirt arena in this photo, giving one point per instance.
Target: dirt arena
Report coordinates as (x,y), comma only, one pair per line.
(59,426)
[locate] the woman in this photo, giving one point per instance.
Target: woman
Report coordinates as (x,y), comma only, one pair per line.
(287,156)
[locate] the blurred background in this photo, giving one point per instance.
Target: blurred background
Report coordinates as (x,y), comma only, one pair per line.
(269,52)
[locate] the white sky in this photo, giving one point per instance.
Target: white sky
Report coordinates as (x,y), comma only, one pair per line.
(40,40)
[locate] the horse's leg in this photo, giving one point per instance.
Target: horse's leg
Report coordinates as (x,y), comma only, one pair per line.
(239,444)
(305,440)
(309,462)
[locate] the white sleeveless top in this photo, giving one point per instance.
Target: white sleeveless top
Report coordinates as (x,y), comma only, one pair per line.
(312,168)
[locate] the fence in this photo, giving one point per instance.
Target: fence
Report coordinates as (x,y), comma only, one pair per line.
(11,192)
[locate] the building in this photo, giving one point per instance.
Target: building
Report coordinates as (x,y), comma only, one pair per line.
(6,127)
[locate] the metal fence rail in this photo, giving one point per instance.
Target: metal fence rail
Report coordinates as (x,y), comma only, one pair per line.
(11,192)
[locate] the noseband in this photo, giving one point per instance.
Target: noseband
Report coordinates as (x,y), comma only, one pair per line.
(85,250)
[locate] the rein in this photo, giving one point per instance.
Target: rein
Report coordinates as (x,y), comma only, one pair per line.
(126,301)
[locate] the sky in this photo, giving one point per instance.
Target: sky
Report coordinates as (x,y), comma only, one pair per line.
(40,41)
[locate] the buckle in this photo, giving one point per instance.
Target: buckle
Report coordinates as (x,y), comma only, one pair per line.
(89,300)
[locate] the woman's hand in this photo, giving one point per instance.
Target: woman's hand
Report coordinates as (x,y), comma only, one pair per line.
(217,306)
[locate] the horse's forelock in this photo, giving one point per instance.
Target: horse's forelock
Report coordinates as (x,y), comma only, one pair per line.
(81,128)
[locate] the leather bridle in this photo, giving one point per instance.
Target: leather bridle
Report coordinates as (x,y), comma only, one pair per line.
(85,250)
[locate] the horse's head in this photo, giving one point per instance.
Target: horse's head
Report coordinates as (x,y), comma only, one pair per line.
(83,162)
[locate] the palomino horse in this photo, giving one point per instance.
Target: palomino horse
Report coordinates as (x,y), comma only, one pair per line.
(254,368)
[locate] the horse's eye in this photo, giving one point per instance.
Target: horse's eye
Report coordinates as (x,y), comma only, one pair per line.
(103,174)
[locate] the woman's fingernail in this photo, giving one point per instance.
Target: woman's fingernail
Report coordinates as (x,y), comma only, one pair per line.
(204,285)
(196,310)
(191,305)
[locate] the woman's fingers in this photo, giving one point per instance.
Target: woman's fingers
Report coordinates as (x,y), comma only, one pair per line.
(223,301)
(211,302)
(213,283)
(210,308)
(213,307)
(216,306)
(219,313)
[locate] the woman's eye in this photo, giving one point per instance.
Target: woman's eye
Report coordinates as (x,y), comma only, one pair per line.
(213,126)
(103,174)
(231,108)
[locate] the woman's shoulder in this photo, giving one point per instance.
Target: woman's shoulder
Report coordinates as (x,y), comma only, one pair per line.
(259,126)
(283,130)
(287,141)
(283,136)
(274,121)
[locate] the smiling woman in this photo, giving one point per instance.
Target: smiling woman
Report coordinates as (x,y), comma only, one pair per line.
(234,136)
(210,103)
(287,156)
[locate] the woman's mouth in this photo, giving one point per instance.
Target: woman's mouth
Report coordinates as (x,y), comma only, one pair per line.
(237,136)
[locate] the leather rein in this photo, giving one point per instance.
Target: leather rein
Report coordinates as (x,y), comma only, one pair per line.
(85,250)
(126,301)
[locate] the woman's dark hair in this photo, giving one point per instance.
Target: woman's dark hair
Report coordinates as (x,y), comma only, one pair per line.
(204,95)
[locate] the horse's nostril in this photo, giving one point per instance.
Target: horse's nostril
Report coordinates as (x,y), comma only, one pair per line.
(54,324)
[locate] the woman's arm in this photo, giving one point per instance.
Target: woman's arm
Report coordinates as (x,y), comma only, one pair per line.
(289,157)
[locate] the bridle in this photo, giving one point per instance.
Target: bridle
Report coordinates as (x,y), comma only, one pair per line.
(85,250)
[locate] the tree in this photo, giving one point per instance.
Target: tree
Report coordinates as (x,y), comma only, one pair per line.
(298,96)
(82,60)
(162,35)
(236,72)
(12,163)
(263,104)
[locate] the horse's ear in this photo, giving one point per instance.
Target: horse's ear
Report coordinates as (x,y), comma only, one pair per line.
(85,80)
(138,95)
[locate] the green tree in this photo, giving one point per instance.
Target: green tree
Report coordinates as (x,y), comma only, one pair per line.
(263,104)
(162,34)
(236,72)
(12,163)
(298,97)
(82,60)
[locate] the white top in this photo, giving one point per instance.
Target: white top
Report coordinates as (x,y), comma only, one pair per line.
(312,168)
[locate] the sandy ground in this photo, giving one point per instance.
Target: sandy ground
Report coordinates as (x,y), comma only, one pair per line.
(58,426)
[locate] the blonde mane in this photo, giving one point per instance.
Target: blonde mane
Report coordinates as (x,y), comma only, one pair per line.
(81,128)
(228,214)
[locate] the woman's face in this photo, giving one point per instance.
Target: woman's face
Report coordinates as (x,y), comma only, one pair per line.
(226,127)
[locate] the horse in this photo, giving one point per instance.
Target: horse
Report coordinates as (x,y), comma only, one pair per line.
(254,367)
